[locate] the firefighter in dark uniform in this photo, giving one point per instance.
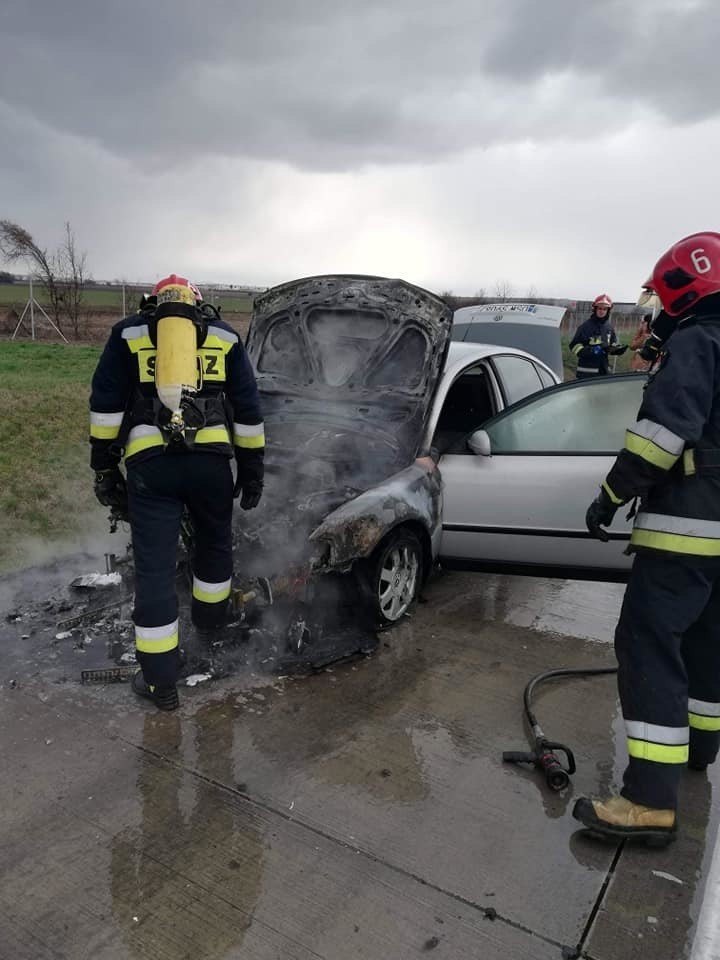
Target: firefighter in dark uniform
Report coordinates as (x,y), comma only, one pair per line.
(175,394)
(667,639)
(594,340)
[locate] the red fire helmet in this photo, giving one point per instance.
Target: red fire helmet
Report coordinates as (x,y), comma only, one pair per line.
(175,280)
(687,272)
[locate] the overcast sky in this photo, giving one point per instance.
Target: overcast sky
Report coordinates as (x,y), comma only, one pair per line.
(557,146)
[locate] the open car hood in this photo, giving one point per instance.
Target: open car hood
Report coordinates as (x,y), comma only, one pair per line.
(347,368)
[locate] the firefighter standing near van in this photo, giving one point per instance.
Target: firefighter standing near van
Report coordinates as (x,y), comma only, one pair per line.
(594,340)
(667,639)
(175,394)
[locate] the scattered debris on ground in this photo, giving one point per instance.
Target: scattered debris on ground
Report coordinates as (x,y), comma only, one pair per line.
(81,629)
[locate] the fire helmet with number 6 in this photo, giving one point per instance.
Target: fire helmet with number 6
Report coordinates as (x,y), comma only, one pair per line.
(687,272)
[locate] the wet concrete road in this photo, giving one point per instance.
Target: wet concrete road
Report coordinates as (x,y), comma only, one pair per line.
(363,812)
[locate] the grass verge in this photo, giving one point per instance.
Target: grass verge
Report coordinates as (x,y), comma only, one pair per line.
(45,480)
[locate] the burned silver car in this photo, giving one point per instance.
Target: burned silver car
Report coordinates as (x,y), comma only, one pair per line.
(371,477)
(347,368)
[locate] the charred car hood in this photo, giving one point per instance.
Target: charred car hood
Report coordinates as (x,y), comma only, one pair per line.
(347,368)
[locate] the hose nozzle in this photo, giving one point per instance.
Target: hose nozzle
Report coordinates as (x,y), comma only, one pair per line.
(545,760)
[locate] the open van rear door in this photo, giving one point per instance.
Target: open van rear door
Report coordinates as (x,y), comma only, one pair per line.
(534,327)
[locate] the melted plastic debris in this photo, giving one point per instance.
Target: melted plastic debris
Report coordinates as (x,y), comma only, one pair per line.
(195,678)
(90,580)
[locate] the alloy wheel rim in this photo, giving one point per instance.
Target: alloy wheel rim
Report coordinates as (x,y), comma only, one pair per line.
(398,580)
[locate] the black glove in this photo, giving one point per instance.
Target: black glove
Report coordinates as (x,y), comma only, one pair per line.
(650,350)
(111,489)
(251,493)
(600,514)
(249,473)
(618,348)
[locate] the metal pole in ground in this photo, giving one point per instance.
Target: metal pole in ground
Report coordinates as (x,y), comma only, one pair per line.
(32,311)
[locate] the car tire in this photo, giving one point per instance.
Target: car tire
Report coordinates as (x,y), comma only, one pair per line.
(391,577)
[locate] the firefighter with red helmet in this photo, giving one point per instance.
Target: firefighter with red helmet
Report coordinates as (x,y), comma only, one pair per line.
(174,394)
(594,340)
(667,640)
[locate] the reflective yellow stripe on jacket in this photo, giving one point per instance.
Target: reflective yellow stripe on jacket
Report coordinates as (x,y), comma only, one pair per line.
(105,426)
(145,436)
(699,538)
(249,436)
(217,434)
(141,438)
(654,443)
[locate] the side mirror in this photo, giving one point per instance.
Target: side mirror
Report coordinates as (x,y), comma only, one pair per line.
(479,443)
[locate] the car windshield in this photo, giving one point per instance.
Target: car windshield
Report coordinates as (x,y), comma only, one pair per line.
(589,416)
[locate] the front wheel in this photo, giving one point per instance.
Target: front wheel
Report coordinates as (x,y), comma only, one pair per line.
(393,575)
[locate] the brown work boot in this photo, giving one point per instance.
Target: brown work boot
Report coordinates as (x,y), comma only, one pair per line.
(619,818)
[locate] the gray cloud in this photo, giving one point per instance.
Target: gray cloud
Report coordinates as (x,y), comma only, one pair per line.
(339,85)
(454,144)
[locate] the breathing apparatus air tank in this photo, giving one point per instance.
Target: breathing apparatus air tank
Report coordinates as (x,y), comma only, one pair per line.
(176,373)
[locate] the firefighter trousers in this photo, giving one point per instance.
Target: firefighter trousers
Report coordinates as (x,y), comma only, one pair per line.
(667,644)
(158,490)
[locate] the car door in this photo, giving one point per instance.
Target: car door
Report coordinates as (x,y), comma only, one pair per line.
(522,507)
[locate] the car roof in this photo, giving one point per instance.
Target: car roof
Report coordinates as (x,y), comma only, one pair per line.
(461,353)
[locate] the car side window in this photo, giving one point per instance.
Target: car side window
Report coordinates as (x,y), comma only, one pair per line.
(588,416)
(518,377)
(546,378)
(469,404)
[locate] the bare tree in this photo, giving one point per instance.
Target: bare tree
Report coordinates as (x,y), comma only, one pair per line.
(73,271)
(17,244)
(532,293)
(480,293)
(504,290)
(63,274)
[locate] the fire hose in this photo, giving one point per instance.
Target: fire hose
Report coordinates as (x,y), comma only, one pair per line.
(542,756)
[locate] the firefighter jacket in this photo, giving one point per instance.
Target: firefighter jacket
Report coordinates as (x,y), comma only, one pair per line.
(590,345)
(671,457)
(126,414)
